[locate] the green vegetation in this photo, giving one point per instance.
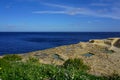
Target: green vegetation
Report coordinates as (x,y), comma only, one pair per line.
(11,68)
(75,64)
(33,60)
(114,76)
(12,57)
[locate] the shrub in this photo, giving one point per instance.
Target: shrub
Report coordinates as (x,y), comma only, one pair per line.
(75,64)
(72,69)
(32,59)
(112,77)
(4,63)
(12,57)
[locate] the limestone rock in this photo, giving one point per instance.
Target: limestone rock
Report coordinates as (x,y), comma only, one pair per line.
(100,61)
(116,42)
(104,41)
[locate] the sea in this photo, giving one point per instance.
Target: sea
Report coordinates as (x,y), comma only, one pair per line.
(23,42)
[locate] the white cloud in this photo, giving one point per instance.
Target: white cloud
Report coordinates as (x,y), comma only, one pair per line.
(100,4)
(104,12)
(7,6)
(50,12)
(56,5)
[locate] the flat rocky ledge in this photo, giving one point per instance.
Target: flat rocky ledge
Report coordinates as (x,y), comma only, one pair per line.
(103,56)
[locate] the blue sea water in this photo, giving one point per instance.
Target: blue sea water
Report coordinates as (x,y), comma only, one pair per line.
(22,42)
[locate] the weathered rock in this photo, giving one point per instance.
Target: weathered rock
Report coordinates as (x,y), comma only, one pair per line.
(104,41)
(116,42)
(100,61)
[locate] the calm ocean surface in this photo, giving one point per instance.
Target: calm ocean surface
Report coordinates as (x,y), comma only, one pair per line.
(21,42)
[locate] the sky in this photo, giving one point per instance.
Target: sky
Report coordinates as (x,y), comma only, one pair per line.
(59,15)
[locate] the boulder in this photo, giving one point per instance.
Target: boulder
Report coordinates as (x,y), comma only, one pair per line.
(116,42)
(104,41)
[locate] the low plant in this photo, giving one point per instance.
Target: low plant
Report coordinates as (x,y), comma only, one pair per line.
(76,64)
(12,57)
(33,59)
(72,69)
(114,76)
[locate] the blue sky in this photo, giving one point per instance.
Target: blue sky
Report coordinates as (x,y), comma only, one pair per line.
(60,15)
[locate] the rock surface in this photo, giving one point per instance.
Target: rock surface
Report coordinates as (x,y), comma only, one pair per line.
(104,56)
(116,42)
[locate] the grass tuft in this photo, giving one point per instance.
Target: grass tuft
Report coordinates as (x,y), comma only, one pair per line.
(76,64)
(12,57)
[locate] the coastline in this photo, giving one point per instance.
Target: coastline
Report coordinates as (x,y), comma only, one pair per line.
(101,55)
